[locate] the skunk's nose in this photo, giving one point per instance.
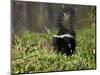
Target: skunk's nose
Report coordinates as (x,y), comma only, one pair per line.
(69,45)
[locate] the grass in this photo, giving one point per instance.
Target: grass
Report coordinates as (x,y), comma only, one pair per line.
(40,57)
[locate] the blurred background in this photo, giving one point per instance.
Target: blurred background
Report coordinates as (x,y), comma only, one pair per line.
(36,16)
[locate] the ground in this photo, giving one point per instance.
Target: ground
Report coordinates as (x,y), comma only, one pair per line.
(40,57)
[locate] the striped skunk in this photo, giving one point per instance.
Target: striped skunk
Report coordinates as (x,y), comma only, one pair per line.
(65,41)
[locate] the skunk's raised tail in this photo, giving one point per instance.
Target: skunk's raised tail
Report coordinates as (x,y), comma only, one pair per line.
(66,19)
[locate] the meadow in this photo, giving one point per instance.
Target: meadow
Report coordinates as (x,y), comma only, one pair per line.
(32,52)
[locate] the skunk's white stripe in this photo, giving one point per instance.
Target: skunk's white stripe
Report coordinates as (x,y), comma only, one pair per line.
(64,35)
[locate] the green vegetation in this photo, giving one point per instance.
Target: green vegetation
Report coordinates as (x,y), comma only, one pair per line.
(40,57)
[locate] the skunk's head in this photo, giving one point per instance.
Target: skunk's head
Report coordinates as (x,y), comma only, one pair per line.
(64,43)
(69,45)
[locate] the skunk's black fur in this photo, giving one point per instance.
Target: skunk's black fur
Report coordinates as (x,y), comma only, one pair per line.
(64,41)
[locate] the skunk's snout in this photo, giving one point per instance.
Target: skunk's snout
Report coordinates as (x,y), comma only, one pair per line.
(69,45)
